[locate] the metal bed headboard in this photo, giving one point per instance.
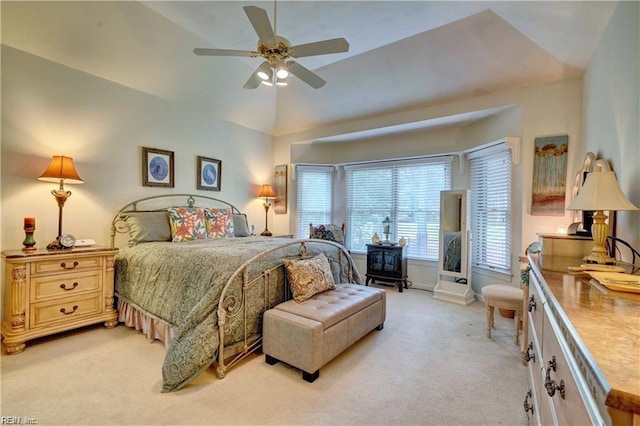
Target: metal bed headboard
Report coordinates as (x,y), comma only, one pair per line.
(120,226)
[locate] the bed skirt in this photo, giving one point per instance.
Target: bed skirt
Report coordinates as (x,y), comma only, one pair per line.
(153,328)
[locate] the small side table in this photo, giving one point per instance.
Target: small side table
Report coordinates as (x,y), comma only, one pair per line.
(387,263)
(50,291)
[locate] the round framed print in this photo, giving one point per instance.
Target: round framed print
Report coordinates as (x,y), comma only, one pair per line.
(157,167)
(209,173)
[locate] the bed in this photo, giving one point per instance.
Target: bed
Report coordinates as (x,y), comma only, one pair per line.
(203,297)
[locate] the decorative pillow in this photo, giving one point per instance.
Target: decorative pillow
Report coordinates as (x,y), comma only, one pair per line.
(145,227)
(187,224)
(308,277)
(240,225)
(219,223)
(328,232)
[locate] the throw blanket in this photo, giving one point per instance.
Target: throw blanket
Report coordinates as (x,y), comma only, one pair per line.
(181,284)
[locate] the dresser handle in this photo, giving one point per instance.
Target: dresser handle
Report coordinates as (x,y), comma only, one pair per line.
(64,311)
(530,356)
(64,265)
(527,406)
(532,304)
(64,286)
(551,385)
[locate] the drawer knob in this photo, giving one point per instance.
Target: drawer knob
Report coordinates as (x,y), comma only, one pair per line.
(532,304)
(64,311)
(64,265)
(527,406)
(551,385)
(530,355)
(64,286)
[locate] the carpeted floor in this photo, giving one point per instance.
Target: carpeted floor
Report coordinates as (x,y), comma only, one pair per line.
(432,364)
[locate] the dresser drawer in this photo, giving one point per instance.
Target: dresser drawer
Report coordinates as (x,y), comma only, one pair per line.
(57,286)
(63,311)
(569,405)
(535,309)
(66,265)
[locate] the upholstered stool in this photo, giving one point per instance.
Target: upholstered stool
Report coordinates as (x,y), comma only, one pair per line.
(503,297)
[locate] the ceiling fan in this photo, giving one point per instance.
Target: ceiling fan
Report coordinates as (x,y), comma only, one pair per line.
(278,53)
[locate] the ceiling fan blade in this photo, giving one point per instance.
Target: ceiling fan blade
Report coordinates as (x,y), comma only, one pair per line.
(335,45)
(254,81)
(306,75)
(261,24)
(224,52)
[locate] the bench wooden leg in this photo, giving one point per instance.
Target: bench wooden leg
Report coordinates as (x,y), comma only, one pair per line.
(310,377)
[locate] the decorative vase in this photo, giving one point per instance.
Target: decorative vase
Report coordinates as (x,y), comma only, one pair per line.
(375,239)
(402,241)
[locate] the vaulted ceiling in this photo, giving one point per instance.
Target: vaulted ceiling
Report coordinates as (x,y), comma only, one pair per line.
(402,55)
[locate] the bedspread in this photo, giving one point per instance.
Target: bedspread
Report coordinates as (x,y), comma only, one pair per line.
(181,283)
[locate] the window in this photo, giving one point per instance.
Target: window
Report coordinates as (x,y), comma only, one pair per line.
(490,172)
(408,192)
(314,189)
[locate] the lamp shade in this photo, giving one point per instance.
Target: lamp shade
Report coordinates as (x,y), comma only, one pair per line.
(61,168)
(267,192)
(601,192)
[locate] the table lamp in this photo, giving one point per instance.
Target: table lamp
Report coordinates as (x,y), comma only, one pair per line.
(266,192)
(60,170)
(600,192)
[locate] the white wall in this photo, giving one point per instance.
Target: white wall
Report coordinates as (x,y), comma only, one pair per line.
(49,109)
(612,109)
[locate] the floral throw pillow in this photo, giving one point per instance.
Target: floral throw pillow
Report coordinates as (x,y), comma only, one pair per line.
(187,224)
(308,277)
(219,223)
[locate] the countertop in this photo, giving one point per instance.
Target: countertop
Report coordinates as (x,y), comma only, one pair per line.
(25,255)
(607,322)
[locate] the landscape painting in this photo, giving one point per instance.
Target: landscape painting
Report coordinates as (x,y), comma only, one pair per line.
(549,175)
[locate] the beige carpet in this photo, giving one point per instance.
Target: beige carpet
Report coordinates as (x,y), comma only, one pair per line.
(432,364)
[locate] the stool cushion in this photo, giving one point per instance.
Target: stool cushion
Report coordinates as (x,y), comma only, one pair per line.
(504,293)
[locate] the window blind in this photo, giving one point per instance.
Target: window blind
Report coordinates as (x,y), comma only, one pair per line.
(315,193)
(407,192)
(490,173)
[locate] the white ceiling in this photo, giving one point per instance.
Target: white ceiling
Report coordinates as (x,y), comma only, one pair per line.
(403,54)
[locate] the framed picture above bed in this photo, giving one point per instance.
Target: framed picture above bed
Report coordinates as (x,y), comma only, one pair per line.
(157,167)
(209,174)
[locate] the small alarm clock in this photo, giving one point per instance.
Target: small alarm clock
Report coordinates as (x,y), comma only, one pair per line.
(67,241)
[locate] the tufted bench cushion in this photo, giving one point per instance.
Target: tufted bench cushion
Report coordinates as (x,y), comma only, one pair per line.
(308,335)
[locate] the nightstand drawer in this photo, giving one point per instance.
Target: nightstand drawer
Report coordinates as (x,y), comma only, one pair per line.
(65,310)
(57,286)
(66,265)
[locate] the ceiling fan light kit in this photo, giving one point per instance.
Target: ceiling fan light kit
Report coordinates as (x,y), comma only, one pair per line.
(277,51)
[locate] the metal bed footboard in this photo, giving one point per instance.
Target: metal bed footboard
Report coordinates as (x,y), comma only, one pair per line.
(233,308)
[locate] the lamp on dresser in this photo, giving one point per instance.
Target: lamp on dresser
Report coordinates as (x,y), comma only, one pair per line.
(60,170)
(267,193)
(600,192)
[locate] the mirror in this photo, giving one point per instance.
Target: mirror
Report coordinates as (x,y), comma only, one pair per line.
(453,233)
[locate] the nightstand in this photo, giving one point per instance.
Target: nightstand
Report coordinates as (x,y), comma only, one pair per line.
(50,291)
(387,263)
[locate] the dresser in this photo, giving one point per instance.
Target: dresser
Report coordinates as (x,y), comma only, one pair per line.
(583,348)
(50,291)
(387,263)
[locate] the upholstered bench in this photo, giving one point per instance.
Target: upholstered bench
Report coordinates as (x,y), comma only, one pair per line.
(309,334)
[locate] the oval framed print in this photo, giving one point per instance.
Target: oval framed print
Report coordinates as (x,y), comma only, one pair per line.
(157,167)
(209,174)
